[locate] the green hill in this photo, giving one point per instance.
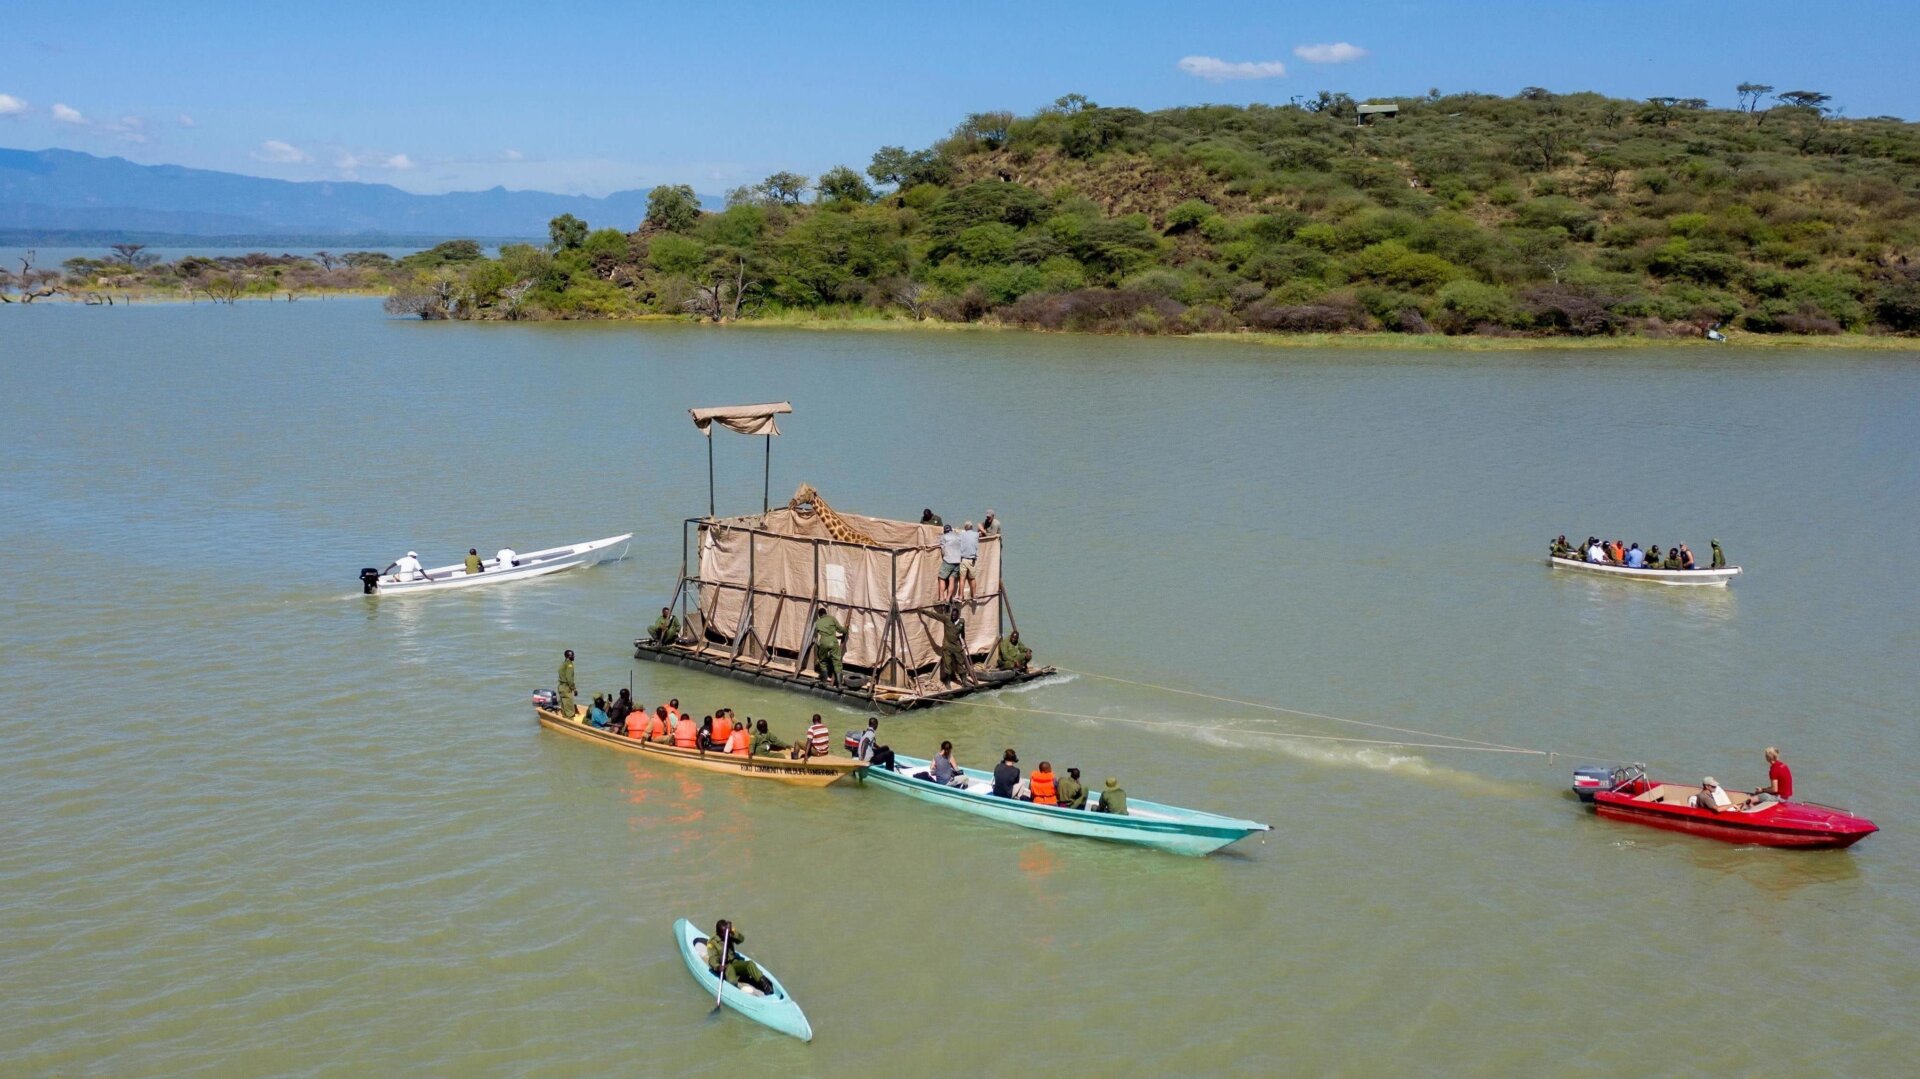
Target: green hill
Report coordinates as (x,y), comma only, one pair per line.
(1535,214)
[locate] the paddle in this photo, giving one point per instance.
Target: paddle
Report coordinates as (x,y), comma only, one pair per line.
(726,939)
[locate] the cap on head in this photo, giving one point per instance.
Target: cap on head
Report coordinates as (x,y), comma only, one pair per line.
(1112,782)
(413,554)
(1709,782)
(946,528)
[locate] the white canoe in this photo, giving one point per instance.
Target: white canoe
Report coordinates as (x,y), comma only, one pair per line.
(525,565)
(1659,576)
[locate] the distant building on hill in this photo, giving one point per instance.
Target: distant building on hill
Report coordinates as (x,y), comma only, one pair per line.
(1368,112)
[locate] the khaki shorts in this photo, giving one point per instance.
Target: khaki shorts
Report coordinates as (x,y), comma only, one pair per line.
(966,569)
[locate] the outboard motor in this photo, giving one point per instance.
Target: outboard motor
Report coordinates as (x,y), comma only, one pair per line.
(369,580)
(546,698)
(1598,777)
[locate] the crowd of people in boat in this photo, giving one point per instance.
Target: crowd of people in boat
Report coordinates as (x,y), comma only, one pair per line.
(1042,786)
(1630,555)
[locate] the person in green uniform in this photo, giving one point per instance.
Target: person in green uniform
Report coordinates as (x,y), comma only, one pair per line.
(764,743)
(1112,799)
(1653,557)
(665,629)
(473,562)
(827,635)
(1673,559)
(1073,793)
(1719,556)
(955,667)
(567,688)
(725,961)
(928,517)
(1012,655)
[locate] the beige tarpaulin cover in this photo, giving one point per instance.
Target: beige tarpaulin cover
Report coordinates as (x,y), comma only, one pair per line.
(792,560)
(746,419)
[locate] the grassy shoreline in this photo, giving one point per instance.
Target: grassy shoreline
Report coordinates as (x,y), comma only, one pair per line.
(1376,340)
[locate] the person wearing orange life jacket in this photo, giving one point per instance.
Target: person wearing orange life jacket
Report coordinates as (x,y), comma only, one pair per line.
(1041,783)
(738,743)
(722,726)
(656,729)
(686,733)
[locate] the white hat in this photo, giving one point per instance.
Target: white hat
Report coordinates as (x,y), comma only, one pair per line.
(1708,782)
(411,554)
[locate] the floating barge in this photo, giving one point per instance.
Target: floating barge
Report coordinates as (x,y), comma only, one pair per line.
(750,587)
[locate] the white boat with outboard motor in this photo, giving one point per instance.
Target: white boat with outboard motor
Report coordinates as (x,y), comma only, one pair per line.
(1658,576)
(518,567)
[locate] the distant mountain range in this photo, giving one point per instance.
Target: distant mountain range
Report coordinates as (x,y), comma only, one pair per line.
(64,191)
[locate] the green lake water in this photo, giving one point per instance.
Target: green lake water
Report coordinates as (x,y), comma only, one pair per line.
(258,824)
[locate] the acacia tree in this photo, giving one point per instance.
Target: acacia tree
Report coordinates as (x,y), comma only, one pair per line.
(841,184)
(566,232)
(134,255)
(786,187)
(1750,95)
(672,209)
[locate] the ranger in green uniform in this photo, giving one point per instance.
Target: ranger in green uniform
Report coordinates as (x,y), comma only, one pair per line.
(665,629)
(725,961)
(1112,799)
(764,743)
(566,687)
(1673,559)
(827,634)
(955,667)
(1012,655)
(1073,794)
(1719,556)
(473,562)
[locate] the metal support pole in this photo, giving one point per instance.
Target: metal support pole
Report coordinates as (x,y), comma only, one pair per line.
(766,479)
(710,473)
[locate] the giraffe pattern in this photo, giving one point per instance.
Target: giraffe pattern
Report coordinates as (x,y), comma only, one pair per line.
(806,502)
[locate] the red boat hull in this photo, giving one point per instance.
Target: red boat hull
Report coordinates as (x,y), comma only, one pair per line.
(1797,825)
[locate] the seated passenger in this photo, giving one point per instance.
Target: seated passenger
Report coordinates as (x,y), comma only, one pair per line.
(1041,788)
(1596,554)
(1711,797)
(1112,799)
(1072,794)
(722,726)
(1686,557)
(1006,774)
(1673,559)
(765,743)
(1559,547)
(1653,557)
(1636,558)
(943,770)
(818,741)
(686,733)
(597,715)
(725,963)
(1012,655)
(738,743)
(656,727)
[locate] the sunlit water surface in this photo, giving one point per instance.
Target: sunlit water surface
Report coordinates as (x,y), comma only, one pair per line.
(258,824)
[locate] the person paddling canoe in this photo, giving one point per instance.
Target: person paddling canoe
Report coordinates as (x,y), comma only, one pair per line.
(724,960)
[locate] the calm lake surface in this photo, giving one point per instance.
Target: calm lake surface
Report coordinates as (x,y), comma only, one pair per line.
(258,824)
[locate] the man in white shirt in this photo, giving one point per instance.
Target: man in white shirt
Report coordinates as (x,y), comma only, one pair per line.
(969,555)
(505,558)
(408,568)
(950,546)
(1596,553)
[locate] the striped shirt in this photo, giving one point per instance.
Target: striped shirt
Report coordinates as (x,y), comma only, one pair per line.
(819,742)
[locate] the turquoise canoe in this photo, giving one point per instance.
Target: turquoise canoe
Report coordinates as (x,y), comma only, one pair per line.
(777,1011)
(1147,824)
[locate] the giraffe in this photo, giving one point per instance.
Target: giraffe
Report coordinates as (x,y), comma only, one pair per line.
(806,502)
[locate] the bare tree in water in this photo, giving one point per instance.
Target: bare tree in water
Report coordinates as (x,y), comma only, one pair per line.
(31,284)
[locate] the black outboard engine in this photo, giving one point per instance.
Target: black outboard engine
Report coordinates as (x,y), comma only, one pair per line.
(369,580)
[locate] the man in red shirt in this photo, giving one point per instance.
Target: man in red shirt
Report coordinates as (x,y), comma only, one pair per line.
(1779,786)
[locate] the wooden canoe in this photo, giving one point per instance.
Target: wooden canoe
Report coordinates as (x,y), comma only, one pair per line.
(813,772)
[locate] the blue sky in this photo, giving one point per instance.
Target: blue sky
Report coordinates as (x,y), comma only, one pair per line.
(594,97)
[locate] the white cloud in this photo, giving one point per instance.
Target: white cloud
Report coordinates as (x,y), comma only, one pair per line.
(11,106)
(510,155)
(1214,69)
(1337,53)
(128,128)
(396,161)
(187,121)
(67,114)
(281,153)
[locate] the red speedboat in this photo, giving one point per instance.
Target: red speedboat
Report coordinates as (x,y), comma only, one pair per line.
(1629,795)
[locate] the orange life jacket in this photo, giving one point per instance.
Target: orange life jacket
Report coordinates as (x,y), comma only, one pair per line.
(656,728)
(737,742)
(722,728)
(1041,784)
(686,733)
